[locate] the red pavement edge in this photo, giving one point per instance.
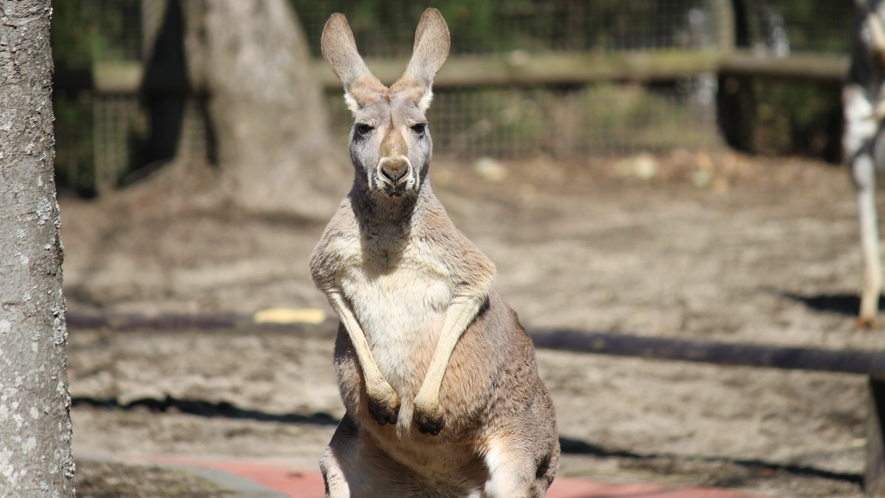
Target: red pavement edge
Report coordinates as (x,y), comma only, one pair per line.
(309,484)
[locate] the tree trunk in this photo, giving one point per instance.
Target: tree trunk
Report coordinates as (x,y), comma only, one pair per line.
(35,424)
(274,147)
(735,102)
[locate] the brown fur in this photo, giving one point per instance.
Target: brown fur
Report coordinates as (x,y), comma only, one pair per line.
(439,379)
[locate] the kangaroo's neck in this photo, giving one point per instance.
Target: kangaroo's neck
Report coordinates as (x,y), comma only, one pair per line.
(378,213)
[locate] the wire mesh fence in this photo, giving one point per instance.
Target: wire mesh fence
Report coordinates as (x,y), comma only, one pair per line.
(607,118)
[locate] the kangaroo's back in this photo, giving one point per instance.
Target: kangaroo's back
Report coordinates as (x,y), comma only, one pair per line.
(438,377)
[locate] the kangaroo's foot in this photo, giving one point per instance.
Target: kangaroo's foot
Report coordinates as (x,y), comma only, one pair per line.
(866,323)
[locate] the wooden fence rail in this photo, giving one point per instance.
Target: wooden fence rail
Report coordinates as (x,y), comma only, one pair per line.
(521,68)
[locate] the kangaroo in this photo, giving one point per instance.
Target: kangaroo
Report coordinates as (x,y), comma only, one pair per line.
(863,104)
(438,378)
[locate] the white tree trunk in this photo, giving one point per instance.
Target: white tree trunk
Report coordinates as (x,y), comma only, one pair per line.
(274,145)
(35,424)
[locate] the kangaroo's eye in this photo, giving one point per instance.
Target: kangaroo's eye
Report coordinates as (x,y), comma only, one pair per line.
(364,129)
(419,129)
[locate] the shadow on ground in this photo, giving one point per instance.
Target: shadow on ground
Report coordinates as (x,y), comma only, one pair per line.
(842,304)
(577,447)
(569,446)
(207,409)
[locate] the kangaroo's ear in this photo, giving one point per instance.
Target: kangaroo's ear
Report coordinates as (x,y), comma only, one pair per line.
(339,50)
(428,55)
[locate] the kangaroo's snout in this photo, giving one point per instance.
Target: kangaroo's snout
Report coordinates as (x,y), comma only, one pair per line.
(395,169)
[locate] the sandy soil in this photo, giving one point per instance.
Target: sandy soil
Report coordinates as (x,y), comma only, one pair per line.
(721,247)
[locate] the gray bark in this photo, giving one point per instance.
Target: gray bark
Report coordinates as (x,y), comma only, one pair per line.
(274,145)
(35,424)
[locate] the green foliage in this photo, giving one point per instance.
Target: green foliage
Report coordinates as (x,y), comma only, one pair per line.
(815,25)
(74,142)
(75,35)
(795,117)
(76,38)
(84,31)
(386,27)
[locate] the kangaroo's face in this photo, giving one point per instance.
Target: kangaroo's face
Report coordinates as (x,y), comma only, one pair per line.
(390,141)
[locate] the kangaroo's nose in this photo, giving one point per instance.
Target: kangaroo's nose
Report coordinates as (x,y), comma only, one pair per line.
(394,169)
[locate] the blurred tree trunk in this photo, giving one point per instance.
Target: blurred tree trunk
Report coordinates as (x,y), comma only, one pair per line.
(735,101)
(266,110)
(35,424)
(164,84)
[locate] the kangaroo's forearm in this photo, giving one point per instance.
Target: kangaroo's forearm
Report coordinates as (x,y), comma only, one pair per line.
(358,338)
(460,314)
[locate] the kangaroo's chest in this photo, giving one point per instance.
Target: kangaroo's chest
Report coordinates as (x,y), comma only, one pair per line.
(400,299)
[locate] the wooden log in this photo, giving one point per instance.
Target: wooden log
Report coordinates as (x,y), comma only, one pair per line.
(719,353)
(185,323)
(161,322)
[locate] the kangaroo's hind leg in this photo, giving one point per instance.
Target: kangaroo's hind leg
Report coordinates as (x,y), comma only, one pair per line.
(516,471)
(339,462)
(858,144)
(354,466)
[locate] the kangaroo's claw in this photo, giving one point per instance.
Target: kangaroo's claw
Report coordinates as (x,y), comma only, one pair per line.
(384,406)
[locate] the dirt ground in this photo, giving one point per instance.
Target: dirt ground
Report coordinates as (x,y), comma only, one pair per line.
(707,246)
(110,479)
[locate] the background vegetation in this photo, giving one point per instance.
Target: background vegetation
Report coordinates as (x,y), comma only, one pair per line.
(791,118)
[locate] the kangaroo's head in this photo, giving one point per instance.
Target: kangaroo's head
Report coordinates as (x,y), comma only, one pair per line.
(390,142)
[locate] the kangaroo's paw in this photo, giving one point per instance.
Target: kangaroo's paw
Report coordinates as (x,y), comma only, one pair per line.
(429,417)
(384,404)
